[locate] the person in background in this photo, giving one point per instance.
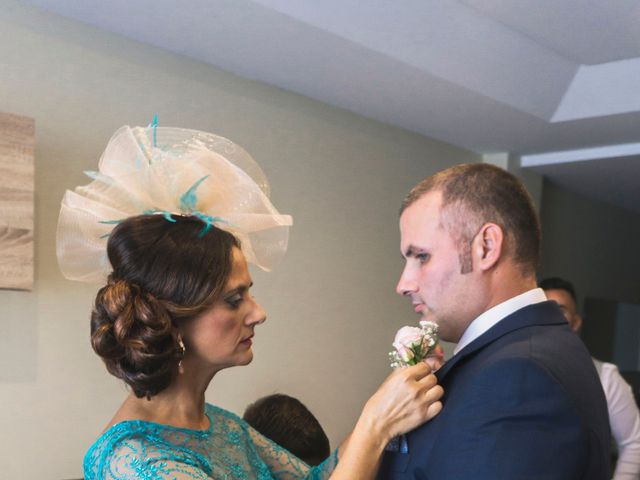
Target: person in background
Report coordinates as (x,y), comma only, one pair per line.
(624,416)
(289,423)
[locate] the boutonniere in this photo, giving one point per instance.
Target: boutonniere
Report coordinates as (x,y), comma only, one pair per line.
(416,344)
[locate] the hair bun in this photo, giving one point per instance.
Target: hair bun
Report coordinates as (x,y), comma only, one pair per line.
(133,333)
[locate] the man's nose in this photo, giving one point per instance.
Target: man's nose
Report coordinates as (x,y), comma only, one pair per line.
(407,283)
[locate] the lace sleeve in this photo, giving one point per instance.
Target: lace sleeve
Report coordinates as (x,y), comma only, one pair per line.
(134,459)
(286,466)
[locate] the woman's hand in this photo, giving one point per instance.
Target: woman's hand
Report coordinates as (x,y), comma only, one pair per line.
(435,359)
(407,399)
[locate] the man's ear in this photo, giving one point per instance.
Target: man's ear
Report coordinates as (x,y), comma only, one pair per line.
(576,324)
(487,246)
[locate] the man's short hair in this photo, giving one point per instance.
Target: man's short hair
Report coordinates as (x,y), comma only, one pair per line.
(557,283)
(290,424)
(476,193)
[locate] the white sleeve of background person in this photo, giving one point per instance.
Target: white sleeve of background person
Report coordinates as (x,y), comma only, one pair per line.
(625,422)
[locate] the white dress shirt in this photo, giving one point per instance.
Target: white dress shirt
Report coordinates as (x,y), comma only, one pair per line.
(624,419)
(492,316)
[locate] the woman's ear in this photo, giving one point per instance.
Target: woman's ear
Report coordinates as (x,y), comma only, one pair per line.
(488,246)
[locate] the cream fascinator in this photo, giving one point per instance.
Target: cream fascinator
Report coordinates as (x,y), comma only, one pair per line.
(167,171)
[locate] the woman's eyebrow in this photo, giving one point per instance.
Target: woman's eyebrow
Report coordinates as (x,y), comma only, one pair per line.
(238,288)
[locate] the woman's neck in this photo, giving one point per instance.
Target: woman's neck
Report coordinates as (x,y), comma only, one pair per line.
(182,404)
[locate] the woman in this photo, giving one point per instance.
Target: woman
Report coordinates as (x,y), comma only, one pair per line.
(177,309)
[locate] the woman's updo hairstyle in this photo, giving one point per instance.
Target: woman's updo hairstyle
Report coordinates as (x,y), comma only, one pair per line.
(163,273)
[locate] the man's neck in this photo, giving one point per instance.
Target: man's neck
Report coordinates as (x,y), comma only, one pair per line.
(506,282)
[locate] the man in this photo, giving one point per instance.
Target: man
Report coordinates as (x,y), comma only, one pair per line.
(624,417)
(522,397)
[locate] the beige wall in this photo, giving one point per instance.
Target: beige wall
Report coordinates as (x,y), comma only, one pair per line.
(593,244)
(332,308)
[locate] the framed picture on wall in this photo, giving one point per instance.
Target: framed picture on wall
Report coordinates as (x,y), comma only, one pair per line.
(16,201)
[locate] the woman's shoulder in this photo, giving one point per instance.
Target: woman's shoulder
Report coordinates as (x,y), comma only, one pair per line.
(120,443)
(137,446)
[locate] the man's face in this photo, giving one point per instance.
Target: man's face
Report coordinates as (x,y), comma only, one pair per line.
(567,305)
(431,276)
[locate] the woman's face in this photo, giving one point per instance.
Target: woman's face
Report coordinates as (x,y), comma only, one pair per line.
(222,336)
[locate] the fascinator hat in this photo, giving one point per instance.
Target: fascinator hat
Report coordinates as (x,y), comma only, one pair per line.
(169,171)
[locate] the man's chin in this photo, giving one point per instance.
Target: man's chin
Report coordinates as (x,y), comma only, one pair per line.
(429,317)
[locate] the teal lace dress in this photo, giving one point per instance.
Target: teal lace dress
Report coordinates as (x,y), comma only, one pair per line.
(228,449)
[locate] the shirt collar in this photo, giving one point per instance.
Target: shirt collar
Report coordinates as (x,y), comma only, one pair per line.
(496,313)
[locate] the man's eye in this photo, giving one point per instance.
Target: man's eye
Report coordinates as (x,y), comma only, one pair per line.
(422,257)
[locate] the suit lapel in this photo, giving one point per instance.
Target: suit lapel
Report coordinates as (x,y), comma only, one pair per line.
(544,313)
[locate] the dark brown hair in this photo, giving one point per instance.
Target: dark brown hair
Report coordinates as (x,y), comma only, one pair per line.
(557,283)
(476,193)
(163,273)
(290,424)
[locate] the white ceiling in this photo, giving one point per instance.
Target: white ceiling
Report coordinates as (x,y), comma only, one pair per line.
(518,76)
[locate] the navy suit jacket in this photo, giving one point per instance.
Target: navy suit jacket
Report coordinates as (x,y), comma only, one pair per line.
(522,401)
